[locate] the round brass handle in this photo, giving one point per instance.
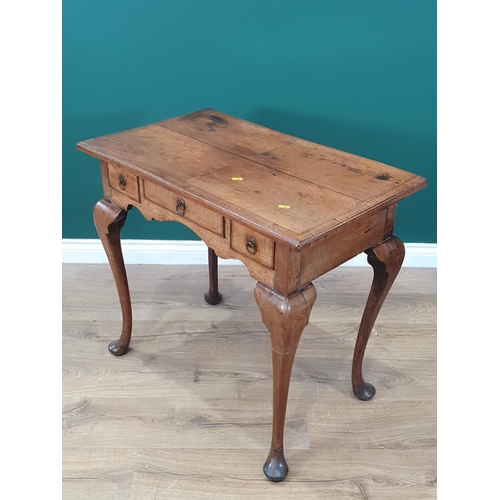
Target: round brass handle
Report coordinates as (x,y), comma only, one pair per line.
(122,181)
(251,245)
(180,207)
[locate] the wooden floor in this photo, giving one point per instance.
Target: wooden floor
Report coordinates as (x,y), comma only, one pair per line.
(186,414)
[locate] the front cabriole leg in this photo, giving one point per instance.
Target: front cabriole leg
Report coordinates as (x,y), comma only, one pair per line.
(285,317)
(109,220)
(386,259)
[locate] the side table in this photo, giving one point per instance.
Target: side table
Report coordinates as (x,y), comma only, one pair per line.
(289,209)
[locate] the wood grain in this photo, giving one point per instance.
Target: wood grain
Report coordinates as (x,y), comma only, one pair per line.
(386,260)
(264,249)
(123,181)
(204,152)
(194,212)
(109,220)
(339,171)
(263,191)
(285,317)
(188,412)
(252,193)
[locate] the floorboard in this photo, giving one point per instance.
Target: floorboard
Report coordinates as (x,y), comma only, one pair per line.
(187,412)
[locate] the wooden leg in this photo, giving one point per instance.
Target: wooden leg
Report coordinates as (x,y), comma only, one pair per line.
(109,220)
(213,297)
(386,260)
(285,318)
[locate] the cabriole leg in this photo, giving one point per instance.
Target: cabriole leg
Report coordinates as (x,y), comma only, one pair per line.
(386,259)
(285,318)
(109,220)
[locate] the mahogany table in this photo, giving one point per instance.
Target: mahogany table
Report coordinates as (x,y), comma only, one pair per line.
(289,209)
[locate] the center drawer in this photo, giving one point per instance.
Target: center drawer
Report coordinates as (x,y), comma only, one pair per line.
(184,207)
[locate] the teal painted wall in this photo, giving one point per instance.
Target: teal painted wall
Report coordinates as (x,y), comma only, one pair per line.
(356,75)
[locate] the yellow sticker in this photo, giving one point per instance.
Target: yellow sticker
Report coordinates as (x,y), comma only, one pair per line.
(237,178)
(284,206)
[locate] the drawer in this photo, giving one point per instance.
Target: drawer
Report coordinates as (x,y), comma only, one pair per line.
(252,244)
(184,207)
(124,181)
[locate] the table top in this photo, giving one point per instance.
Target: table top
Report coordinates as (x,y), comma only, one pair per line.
(297,188)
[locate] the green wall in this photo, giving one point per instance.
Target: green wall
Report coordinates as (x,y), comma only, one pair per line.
(356,75)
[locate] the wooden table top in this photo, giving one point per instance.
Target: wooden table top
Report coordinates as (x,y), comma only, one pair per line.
(296,188)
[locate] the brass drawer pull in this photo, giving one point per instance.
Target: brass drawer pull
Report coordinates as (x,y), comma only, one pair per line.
(122,181)
(251,245)
(180,207)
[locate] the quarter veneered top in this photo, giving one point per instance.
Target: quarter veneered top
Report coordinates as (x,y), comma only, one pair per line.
(296,188)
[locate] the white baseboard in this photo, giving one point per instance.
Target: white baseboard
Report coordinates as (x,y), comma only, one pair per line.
(90,251)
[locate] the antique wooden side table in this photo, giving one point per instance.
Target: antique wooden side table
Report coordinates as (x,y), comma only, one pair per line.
(289,209)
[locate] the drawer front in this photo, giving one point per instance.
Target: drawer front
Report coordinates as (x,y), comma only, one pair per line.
(123,181)
(252,244)
(183,207)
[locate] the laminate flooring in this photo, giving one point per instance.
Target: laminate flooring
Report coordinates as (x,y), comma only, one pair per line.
(186,413)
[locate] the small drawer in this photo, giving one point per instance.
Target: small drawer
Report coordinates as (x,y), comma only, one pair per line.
(251,244)
(186,208)
(124,181)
